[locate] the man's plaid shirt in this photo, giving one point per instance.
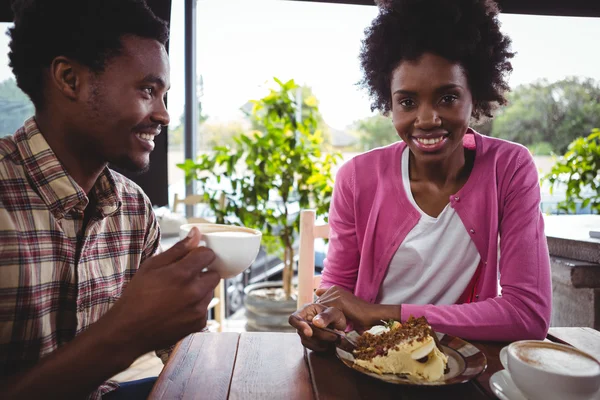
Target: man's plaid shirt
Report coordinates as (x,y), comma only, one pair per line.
(55,280)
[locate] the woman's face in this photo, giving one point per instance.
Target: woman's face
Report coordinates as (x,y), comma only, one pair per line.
(431,107)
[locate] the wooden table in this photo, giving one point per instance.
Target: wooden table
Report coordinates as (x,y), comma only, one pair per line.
(276,366)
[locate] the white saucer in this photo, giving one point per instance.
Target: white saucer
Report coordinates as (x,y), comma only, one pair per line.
(504,388)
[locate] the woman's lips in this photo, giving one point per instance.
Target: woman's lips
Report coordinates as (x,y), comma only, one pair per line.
(430,144)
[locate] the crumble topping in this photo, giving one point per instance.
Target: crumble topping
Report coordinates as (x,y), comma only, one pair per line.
(370,345)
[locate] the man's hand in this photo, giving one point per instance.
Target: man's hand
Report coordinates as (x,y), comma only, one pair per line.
(322,317)
(167,299)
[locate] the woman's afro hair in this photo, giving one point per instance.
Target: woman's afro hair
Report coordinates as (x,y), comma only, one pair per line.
(463,31)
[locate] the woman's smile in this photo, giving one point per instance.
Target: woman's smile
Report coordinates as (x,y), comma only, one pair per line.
(430,142)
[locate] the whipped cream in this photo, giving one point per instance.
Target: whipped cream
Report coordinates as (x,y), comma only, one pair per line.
(378,330)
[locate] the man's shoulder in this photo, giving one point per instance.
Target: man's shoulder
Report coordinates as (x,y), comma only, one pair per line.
(8,148)
(10,159)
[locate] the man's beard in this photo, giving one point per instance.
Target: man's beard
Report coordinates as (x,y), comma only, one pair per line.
(98,104)
(127,166)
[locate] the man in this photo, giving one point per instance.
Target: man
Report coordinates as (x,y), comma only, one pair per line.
(73,310)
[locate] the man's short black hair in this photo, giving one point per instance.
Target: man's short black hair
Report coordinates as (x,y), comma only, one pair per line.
(463,31)
(88,31)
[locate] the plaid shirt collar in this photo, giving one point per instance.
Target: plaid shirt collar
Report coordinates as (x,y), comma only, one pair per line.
(55,186)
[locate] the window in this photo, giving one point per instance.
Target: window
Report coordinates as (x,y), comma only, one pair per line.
(242,44)
(15,106)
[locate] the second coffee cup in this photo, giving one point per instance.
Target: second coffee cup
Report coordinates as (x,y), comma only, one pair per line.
(551,371)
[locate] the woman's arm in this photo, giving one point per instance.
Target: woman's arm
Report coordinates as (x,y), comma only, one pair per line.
(361,313)
(524,309)
(343,254)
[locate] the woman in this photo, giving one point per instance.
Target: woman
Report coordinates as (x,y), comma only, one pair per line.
(426,226)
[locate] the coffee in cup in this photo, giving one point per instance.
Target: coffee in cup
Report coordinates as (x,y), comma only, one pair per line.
(235,247)
(545,370)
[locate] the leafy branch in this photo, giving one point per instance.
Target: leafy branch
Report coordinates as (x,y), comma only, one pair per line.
(579,170)
(271,174)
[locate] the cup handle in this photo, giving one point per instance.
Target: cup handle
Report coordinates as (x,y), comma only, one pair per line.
(503,357)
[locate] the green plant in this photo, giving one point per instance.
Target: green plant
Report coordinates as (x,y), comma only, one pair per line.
(554,112)
(272,173)
(579,170)
(541,149)
(374,131)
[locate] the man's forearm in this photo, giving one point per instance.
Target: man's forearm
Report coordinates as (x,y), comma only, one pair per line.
(73,371)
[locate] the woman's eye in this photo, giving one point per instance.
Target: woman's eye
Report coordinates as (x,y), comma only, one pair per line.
(406,103)
(449,98)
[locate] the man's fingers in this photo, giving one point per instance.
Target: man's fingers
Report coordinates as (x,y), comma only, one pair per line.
(199,258)
(320,291)
(330,317)
(207,282)
(178,251)
(205,302)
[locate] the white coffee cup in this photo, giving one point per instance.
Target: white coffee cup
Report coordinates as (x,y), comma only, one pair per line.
(551,371)
(235,247)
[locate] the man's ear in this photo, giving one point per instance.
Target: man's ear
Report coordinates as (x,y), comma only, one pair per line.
(65,76)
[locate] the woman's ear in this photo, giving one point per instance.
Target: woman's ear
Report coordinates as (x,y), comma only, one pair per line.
(474,110)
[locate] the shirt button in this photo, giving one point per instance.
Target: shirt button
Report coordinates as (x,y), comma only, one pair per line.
(472,231)
(456,198)
(476,296)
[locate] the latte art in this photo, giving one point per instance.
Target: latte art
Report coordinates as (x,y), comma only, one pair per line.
(557,360)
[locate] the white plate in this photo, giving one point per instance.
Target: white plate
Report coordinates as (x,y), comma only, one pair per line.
(504,388)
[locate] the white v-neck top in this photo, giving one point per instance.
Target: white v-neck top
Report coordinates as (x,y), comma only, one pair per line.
(435,262)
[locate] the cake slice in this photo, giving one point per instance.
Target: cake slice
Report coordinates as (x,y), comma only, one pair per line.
(396,348)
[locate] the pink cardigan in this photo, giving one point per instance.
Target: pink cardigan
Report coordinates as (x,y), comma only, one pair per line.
(371,215)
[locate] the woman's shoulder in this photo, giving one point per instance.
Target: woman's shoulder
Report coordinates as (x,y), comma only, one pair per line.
(501,153)
(367,169)
(380,156)
(507,162)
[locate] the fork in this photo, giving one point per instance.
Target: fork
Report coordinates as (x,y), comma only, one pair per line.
(342,337)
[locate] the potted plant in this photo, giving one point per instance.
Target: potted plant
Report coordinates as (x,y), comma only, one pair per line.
(267,176)
(578,170)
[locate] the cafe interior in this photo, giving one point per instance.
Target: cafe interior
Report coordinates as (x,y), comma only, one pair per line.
(240,360)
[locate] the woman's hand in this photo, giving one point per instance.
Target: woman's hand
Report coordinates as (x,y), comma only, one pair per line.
(354,308)
(357,310)
(322,317)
